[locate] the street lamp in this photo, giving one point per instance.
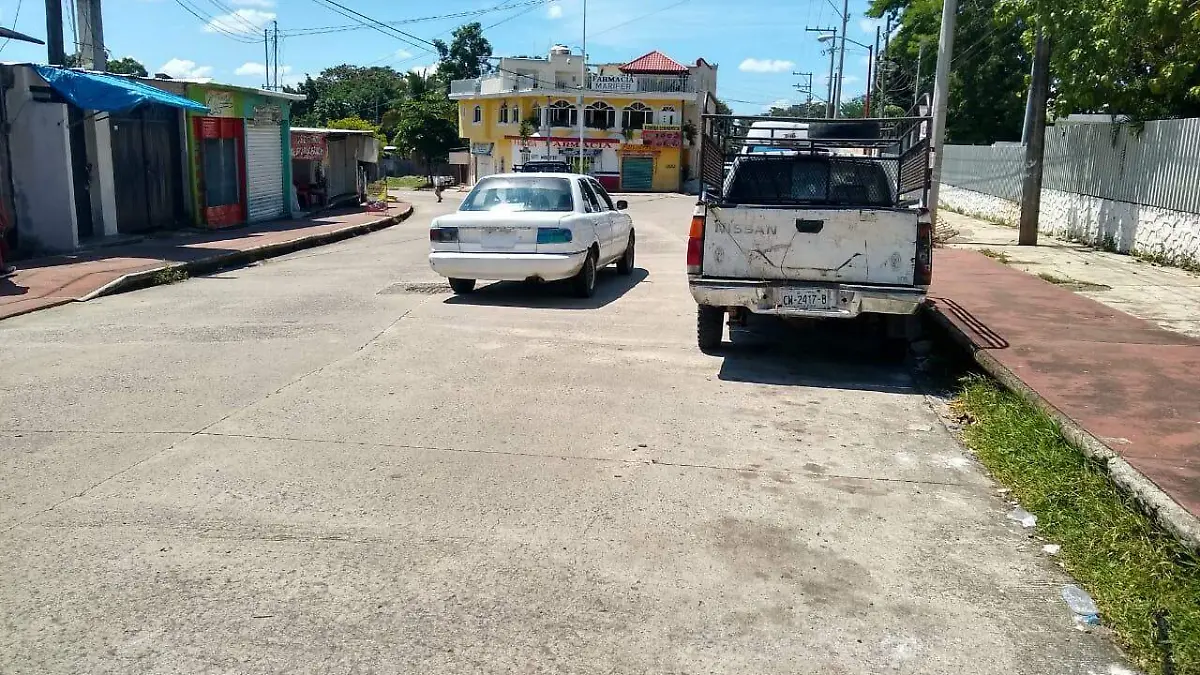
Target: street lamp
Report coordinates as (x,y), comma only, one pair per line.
(841,75)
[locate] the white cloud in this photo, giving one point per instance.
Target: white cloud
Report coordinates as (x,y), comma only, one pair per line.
(403,54)
(241,22)
(850,79)
(555,11)
(765,66)
(251,68)
(184,69)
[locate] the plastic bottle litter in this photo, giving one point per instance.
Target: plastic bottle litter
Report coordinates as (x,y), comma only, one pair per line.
(1081,605)
(1025,518)
(1052,549)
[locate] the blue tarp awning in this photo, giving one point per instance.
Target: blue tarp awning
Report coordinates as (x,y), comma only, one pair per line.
(110,93)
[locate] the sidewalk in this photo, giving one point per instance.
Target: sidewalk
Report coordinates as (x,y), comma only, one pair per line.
(1124,388)
(48,282)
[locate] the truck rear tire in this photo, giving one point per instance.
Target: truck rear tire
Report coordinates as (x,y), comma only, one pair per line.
(710,327)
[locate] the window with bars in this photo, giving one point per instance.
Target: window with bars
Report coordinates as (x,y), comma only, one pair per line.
(504,113)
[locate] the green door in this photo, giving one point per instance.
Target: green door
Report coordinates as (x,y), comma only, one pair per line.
(637,174)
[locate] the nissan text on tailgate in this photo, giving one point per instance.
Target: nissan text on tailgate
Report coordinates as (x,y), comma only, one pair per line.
(809,218)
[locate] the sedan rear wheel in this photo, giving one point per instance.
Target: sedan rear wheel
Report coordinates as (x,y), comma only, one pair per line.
(462,286)
(584,283)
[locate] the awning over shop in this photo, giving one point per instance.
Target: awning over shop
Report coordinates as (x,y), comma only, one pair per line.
(110,93)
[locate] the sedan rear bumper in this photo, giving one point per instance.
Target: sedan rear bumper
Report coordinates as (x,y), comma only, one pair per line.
(507,266)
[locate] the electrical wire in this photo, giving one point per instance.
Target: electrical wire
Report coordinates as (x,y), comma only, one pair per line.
(323,30)
(639,18)
(16,16)
(236,16)
(216,26)
(375,24)
(72,23)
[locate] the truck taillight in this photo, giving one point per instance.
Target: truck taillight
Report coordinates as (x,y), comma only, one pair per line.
(695,244)
(924,271)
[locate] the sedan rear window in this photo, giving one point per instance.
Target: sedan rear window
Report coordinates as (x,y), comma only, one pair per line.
(512,194)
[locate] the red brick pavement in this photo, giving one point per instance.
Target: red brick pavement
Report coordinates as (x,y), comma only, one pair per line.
(1132,385)
(47,282)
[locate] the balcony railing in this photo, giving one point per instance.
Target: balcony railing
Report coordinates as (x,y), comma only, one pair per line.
(506,83)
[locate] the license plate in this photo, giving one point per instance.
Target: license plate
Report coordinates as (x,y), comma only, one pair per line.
(498,237)
(806,299)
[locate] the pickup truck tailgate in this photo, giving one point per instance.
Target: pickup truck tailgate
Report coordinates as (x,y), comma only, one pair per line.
(868,246)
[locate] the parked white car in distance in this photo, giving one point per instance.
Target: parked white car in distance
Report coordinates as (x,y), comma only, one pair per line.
(540,226)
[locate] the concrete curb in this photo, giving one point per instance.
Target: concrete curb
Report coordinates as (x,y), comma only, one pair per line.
(145,278)
(1155,503)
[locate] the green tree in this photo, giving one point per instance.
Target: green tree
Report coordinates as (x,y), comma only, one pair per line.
(721,107)
(357,124)
(466,56)
(123,66)
(989,74)
(349,91)
(1134,57)
(427,127)
(813,109)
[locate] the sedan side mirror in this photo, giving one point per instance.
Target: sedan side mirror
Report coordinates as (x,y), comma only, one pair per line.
(622,204)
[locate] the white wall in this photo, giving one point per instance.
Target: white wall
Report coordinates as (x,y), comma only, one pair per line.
(1173,236)
(43,193)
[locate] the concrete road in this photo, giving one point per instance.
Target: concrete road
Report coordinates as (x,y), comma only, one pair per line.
(327,464)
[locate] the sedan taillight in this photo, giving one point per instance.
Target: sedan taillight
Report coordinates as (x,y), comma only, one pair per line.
(924,271)
(443,235)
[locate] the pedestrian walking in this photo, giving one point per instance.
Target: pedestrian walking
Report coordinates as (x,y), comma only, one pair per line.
(437,189)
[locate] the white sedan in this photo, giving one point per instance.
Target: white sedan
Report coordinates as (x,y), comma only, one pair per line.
(541,226)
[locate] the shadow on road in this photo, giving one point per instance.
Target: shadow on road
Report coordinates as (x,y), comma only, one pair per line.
(836,354)
(610,286)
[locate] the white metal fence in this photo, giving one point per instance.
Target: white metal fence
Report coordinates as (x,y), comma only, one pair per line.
(1158,165)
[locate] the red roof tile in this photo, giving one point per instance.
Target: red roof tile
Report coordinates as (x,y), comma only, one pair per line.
(654,62)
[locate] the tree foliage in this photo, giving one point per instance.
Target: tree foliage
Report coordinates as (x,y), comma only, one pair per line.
(466,56)
(1134,57)
(814,109)
(989,74)
(122,66)
(427,127)
(347,91)
(357,124)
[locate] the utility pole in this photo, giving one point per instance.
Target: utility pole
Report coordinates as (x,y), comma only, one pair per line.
(1035,147)
(583,83)
(837,112)
(917,84)
(806,89)
(887,44)
(870,75)
(874,70)
(266,61)
(56,53)
(276,59)
(92,54)
(941,96)
(832,51)
(1027,127)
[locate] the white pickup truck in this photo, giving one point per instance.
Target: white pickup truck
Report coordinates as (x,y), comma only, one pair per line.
(797,226)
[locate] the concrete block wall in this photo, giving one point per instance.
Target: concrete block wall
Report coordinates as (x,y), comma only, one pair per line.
(1170,236)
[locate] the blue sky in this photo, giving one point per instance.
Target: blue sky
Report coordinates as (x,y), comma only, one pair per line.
(757,43)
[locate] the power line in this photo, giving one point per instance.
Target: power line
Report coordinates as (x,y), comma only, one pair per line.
(16,16)
(208,20)
(375,24)
(235,15)
(323,30)
(639,18)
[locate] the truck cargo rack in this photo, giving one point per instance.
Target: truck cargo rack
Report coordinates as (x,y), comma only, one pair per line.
(898,144)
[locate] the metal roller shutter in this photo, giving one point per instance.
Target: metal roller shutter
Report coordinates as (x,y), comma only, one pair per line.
(637,174)
(264,173)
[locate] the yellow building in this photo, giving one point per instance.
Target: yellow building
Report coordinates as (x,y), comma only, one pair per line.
(639,118)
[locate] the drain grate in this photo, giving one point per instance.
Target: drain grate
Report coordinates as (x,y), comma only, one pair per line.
(433,288)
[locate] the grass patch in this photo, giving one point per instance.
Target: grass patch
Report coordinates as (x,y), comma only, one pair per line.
(408,182)
(1184,263)
(1073,284)
(170,275)
(1000,256)
(1134,570)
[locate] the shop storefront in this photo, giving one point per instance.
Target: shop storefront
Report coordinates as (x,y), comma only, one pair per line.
(240,155)
(331,166)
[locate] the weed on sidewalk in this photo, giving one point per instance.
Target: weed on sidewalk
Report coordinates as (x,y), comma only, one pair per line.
(170,275)
(1146,583)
